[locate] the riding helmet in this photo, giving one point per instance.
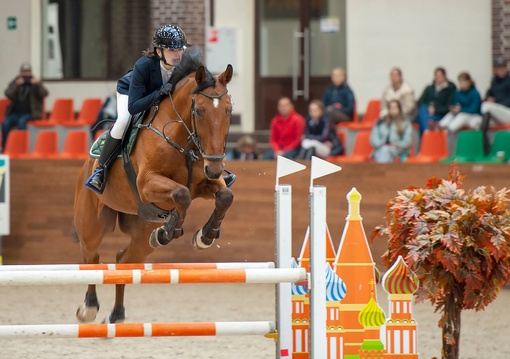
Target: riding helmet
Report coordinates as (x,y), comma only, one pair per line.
(171,37)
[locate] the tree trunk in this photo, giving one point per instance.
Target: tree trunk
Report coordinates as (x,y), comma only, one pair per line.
(451,329)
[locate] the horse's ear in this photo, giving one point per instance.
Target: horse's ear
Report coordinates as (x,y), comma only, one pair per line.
(200,75)
(226,76)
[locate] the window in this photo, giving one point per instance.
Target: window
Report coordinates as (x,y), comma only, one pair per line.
(93,39)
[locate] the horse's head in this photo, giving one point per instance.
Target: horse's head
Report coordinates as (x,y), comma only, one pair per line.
(211,111)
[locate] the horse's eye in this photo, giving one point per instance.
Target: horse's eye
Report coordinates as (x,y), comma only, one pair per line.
(199,112)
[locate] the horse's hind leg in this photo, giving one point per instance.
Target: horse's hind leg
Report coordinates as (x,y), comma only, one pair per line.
(136,252)
(90,235)
(204,237)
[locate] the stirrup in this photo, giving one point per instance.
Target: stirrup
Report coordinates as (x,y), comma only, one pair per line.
(97,172)
(229,179)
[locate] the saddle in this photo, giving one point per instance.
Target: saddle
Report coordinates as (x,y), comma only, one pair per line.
(147,211)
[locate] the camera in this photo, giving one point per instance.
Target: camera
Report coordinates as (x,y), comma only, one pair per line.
(27,79)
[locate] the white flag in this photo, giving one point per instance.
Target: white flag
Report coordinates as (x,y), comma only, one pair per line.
(321,168)
(285,167)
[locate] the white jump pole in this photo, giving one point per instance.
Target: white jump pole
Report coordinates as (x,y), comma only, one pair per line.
(318,341)
(158,276)
(129,266)
(283,254)
(136,330)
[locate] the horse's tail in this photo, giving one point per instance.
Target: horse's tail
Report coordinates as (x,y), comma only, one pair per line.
(73,233)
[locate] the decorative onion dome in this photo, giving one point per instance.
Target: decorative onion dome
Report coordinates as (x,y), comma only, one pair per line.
(399,279)
(372,315)
(335,286)
(298,289)
(377,275)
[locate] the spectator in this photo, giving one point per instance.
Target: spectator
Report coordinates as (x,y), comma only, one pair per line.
(391,136)
(246,149)
(26,93)
(400,90)
(497,99)
(320,137)
(339,98)
(466,107)
(435,100)
(286,131)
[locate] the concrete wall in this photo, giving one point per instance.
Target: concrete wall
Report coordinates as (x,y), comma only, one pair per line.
(417,36)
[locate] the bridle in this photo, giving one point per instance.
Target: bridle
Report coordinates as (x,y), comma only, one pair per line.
(193,137)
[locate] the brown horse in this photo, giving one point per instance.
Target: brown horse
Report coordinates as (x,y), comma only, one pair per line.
(178,156)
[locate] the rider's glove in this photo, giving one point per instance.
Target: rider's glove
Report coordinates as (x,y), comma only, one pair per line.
(165,90)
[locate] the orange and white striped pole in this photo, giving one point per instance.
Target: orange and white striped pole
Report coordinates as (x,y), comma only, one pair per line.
(129,266)
(156,276)
(137,330)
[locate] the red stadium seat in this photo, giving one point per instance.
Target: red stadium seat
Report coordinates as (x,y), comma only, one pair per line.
(76,145)
(17,144)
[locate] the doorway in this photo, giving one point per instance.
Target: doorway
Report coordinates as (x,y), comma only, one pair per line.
(298,42)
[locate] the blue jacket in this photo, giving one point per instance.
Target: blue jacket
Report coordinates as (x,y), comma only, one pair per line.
(500,90)
(323,131)
(469,101)
(342,94)
(141,84)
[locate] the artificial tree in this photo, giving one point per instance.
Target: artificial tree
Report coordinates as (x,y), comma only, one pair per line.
(456,241)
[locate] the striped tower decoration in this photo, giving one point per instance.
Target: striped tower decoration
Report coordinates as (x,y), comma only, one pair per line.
(300,319)
(401,329)
(372,318)
(335,292)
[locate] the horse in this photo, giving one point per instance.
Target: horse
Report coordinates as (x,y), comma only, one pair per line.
(178,156)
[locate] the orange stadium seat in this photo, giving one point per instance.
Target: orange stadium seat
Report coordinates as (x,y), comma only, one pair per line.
(17,144)
(361,150)
(88,113)
(369,118)
(46,145)
(76,145)
(433,147)
(62,111)
(4,103)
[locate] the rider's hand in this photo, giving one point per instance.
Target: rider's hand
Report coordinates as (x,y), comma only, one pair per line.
(165,90)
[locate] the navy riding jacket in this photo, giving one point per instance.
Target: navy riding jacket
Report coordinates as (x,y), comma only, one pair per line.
(141,84)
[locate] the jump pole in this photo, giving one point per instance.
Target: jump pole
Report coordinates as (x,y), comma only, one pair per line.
(130,266)
(317,202)
(136,330)
(157,276)
(283,255)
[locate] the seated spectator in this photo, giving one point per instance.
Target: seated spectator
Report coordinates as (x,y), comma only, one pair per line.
(246,149)
(339,98)
(26,93)
(465,111)
(286,131)
(399,90)
(435,100)
(497,100)
(391,136)
(319,137)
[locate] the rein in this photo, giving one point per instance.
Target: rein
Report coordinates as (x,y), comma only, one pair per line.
(193,137)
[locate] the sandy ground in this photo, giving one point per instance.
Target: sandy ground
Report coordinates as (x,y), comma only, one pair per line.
(484,335)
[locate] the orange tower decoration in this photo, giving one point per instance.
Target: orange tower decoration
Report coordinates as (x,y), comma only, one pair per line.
(300,319)
(401,336)
(354,264)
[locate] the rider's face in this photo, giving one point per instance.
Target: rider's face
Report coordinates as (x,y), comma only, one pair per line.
(172,56)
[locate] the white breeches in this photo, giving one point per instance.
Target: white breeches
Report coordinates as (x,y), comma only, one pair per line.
(123,116)
(498,112)
(455,123)
(321,149)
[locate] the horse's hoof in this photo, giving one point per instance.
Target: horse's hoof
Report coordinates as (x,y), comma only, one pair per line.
(86,314)
(200,242)
(154,239)
(118,315)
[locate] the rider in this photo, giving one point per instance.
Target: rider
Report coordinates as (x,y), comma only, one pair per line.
(138,90)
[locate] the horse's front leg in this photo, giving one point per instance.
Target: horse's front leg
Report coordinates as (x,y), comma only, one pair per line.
(156,188)
(204,237)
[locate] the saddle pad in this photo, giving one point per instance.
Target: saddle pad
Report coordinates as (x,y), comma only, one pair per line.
(97,146)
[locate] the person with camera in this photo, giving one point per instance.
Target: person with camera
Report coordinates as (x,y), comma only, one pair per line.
(26,93)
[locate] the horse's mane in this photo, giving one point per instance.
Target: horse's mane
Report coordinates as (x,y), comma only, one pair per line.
(191,61)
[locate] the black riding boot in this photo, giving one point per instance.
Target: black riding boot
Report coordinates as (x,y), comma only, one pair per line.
(229,179)
(485,129)
(111,148)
